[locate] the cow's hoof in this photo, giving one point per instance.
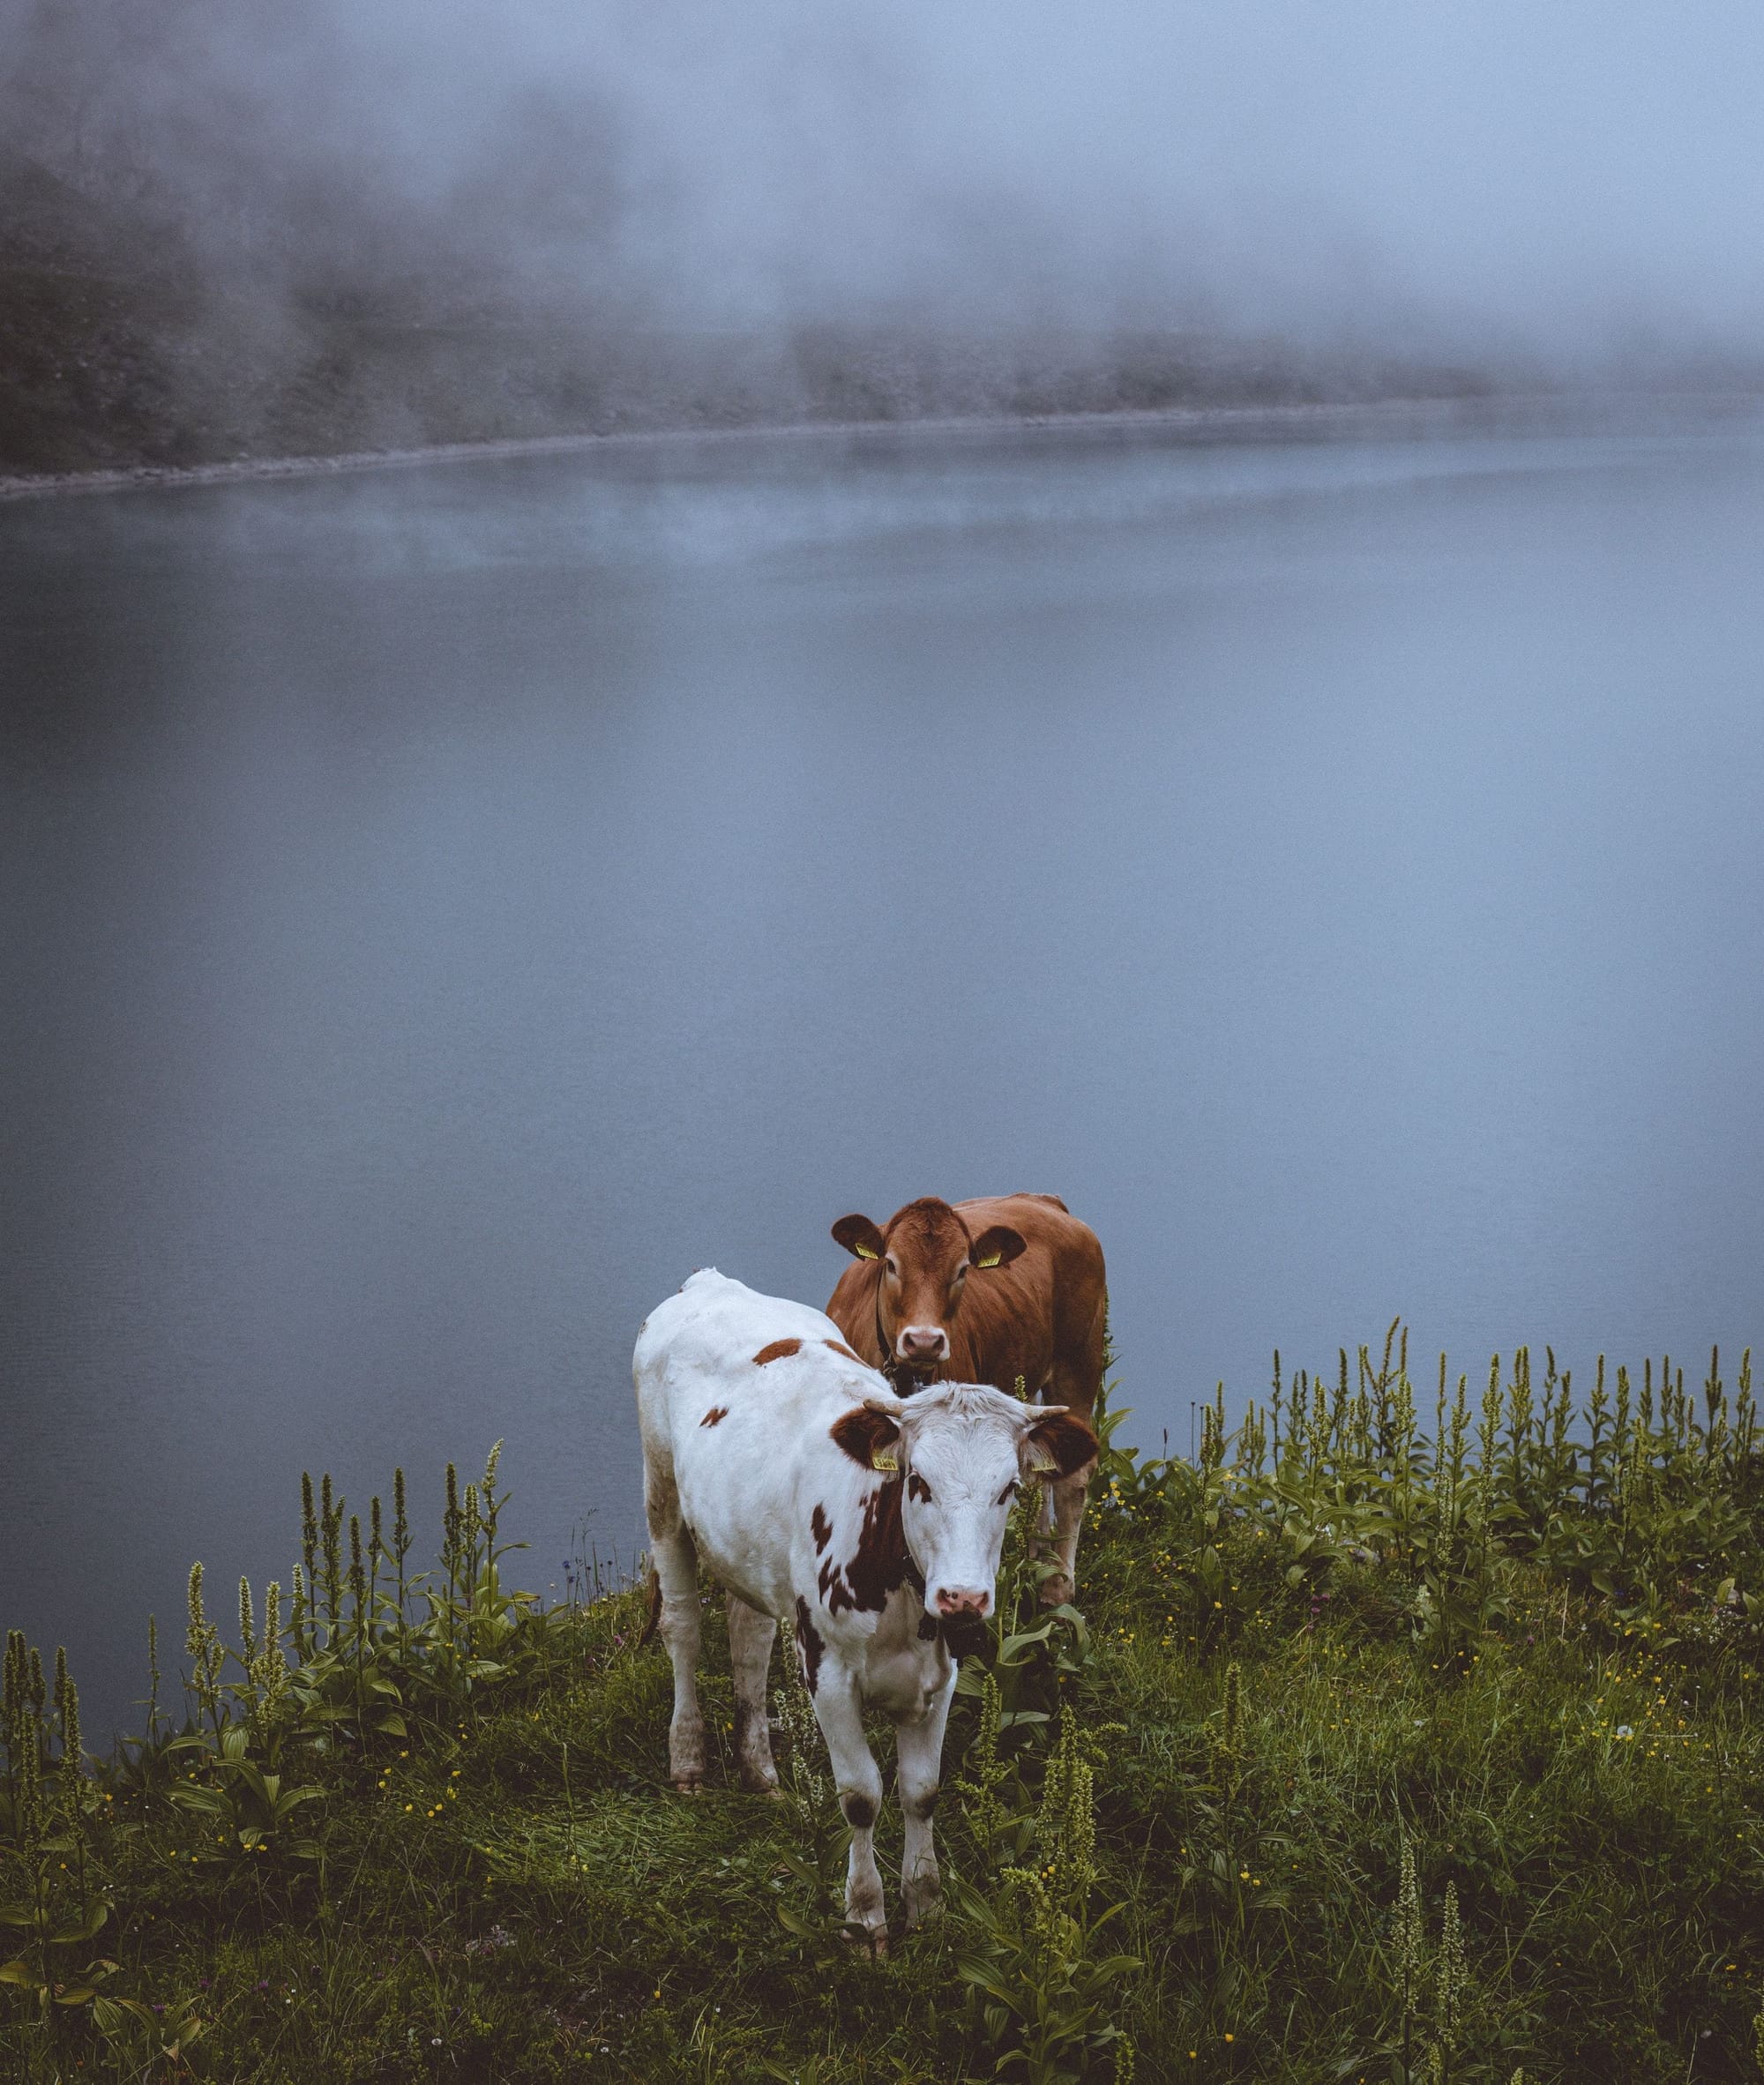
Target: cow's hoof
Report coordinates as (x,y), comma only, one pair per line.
(759,1784)
(868,1941)
(689,1784)
(1057,1591)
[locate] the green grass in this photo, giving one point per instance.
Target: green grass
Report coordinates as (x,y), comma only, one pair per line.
(1272,1704)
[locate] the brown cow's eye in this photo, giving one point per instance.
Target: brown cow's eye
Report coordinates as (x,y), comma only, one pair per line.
(893,1266)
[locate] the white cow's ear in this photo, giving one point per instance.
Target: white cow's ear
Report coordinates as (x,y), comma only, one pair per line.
(1058,1443)
(869,1433)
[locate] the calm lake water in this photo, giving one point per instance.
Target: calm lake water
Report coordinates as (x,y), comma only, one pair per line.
(443,907)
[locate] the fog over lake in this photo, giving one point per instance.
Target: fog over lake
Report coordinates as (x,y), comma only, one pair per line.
(445,906)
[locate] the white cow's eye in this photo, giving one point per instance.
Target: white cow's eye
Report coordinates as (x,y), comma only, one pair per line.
(1009,1492)
(917,1488)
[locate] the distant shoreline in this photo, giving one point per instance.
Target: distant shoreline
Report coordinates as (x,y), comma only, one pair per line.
(1567,412)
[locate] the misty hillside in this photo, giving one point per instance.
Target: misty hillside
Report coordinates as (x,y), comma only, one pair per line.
(280,226)
(116,348)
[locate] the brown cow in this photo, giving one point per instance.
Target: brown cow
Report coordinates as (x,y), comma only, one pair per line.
(984,1292)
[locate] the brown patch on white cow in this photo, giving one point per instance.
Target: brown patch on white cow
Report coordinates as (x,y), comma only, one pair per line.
(836,1595)
(820,1528)
(840,1347)
(715,1416)
(809,1645)
(778,1351)
(879,1567)
(865,1433)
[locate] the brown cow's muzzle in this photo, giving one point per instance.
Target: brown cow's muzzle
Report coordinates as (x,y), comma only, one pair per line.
(922,1346)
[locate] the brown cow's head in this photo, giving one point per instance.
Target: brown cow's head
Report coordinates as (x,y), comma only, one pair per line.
(927,1257)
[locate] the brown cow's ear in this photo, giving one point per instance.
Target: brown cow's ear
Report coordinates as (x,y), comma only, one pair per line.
(859,1236)
(1058,1444)
(996,1247)
(868,1434)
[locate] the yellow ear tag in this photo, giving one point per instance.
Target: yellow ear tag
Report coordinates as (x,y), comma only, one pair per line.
(990,1259)
(1041,1459)
(885,1458)
(865,1252)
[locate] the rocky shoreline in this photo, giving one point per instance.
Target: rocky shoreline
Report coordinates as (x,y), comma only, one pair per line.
(1411,418)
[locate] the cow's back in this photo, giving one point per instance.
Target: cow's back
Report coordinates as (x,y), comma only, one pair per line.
(735,1391)
(1057,1286)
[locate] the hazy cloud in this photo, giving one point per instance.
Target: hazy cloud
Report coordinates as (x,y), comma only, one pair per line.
(1561,178)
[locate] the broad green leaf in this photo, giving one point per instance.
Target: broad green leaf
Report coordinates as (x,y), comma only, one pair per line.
(85,1928)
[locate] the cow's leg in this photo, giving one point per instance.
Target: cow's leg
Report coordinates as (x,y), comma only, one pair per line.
(1057,1519)
(750,1636)
(919,1747)
(1076,1384)
(859,1782)
(1067,1497)
(676,1569)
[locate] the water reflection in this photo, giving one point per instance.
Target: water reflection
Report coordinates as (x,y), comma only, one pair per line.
(445,908)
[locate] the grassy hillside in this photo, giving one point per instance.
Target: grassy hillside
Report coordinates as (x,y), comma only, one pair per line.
(1378,1752)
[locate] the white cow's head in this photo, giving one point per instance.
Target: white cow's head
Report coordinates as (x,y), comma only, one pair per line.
(962,1452)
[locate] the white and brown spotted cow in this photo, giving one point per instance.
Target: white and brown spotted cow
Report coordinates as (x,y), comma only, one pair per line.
(813,1493)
